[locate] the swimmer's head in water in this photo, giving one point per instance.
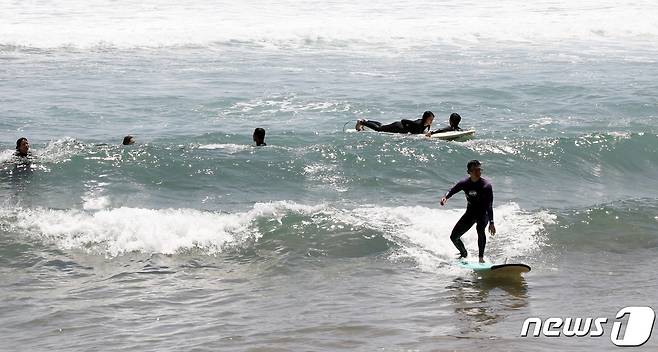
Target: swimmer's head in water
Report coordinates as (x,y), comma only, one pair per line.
(428,117)
(22,146)
(128,140)
(259,136)
(455,119)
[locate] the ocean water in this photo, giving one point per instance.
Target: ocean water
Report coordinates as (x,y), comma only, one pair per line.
(327,239)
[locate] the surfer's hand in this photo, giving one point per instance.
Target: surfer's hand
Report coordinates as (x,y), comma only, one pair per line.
(492,229)
(428,134)
(443,201)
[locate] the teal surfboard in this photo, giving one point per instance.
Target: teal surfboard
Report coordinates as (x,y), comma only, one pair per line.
(491,268)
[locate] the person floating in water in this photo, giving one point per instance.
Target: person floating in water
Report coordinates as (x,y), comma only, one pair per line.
(404,126)
(259,137)
(479,196)
(454,125)
(23,148)
(128,140)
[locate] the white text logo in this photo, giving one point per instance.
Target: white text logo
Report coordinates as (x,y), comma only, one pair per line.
(637,329)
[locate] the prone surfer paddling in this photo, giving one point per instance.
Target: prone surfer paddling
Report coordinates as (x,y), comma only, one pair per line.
(479,195)
(404,126)
(454,125)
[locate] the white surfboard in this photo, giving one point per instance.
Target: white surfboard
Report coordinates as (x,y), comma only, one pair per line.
(453,135)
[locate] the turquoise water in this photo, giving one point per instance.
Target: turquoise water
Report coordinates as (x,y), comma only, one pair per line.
(326,239)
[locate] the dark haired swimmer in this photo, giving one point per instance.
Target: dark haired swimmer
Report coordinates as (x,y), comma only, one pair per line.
(259,137)
(22,148)
(454,125)
(128,140)
(479,195)
(405,126)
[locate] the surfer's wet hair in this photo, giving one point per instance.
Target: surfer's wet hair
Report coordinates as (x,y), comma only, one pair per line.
(455,119)
(19,141)
(259,136)
(259,133)
(427,114)
(471,164)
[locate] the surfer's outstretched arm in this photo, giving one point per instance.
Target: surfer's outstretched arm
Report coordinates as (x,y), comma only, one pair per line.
(459,186)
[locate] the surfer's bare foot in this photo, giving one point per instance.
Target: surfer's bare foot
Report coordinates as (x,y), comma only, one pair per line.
(359,125)
(481,259)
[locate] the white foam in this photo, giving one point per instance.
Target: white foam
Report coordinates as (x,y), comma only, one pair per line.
(93,198)
(542,122)
(287,103)
(156,23)
(116,231)
(60,150)
(326,175)
(490,146)
(620,135)
(7,155)
(230,148)
(92,202)
(424,233)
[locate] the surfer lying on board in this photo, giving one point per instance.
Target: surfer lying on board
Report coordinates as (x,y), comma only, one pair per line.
(454,125)
(404,126)
(479,196)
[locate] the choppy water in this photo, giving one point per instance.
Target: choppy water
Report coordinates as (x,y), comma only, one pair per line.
(326,239)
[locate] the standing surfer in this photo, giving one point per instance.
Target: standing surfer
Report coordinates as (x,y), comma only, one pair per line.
(479,195)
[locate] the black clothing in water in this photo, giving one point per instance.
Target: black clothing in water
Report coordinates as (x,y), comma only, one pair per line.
(404,126)
(479,196)
(446,129)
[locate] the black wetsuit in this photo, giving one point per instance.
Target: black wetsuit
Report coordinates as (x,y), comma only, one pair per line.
(446,129)
(404,126)
(479,196)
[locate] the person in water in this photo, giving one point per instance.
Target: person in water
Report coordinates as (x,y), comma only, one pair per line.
(22,148)
(259,137)
(454,125)
(479,196)
(404,126)
(128,140)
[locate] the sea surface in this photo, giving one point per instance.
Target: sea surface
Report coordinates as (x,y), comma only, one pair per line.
(326,239)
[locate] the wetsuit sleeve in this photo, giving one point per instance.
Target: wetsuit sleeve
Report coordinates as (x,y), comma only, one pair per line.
(441,130)
(489,202)
(456,188)
(447,129)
